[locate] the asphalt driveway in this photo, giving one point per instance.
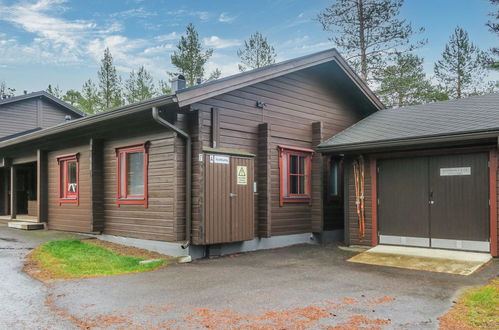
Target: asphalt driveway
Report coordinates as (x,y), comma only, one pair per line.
(297,287)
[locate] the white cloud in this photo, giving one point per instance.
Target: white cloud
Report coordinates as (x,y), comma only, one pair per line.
(218,43)
(167,37)
(225,18)
(158,49)
(202,15)
(134,13)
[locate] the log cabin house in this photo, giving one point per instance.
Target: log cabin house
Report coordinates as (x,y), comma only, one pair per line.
(21,115)
(219,167)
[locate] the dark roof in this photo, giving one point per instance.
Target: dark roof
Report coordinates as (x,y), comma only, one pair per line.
(468,115)
(8,137)
(46,95)
(210,89)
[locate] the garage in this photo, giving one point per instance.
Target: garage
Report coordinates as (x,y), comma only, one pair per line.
(434,201)
(422,176)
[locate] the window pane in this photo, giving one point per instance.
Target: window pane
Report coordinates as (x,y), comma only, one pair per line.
(302,165)
(135,173)
(293,184)
(333,179)
(71,185)
(301,188)
(293,164)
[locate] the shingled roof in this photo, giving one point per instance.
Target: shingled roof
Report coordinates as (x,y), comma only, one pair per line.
(469,115)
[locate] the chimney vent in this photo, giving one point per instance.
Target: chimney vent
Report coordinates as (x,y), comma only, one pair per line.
(67,118)
(25,92)
(198,81)
(178,83)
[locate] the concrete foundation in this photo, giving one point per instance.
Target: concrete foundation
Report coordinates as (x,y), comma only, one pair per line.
(216,250)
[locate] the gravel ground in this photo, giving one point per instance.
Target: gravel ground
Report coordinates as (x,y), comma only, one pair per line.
(302,286)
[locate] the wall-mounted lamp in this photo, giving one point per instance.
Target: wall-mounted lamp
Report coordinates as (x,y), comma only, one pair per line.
(261,105)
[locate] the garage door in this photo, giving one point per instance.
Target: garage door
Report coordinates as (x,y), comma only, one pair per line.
(439,202)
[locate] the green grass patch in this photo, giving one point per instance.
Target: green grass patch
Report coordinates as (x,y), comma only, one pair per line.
(75,259)
(482,305)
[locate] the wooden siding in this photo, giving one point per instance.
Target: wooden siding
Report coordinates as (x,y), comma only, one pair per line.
(18,117)
(294,102)
(353,218)
(157,221)
(24,115)
(70,217)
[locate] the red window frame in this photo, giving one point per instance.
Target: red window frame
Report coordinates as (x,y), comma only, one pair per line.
(66,197)
(285,153)
(122,197)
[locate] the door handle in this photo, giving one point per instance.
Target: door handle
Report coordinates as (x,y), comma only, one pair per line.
(432,202)
(232,195)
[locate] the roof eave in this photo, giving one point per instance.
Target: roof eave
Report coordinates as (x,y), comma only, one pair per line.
(85,121)
(375,145)
(196,94)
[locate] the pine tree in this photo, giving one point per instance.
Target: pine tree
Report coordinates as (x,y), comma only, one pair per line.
(190,58)
(405,82)
(368,30)
(109,83)
(139,86)
(257,52)
(6,91)
(72,97)
(164,88)
(56,91)
(89,101)
(494,27)
(461,68)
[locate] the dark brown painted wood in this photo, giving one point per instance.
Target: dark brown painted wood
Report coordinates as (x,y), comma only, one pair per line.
(13,188)
(403,197)
(96,154)
(294,103)
(66,216)
(229,206)
(24,115)
(318,175)
(264,181)
(461,202)
(215,128)
(42,185)
(157,220)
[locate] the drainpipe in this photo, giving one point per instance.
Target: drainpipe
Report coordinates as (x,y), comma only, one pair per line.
(188,173)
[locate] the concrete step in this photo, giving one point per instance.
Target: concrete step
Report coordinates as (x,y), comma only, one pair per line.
(26,225)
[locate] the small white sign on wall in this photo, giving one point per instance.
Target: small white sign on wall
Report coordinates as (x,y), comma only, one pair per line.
(219,159)
(454,171)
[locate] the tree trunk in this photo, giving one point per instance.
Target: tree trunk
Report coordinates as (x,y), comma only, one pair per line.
(362,40)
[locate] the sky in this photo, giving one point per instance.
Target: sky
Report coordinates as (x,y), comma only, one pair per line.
(61,42)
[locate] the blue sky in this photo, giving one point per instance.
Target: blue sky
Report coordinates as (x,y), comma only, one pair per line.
(61,41)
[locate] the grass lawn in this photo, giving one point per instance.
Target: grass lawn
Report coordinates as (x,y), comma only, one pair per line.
(65,259)
(476,308)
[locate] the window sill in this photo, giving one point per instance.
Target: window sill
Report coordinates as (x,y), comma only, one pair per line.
(132,201)
(68,201)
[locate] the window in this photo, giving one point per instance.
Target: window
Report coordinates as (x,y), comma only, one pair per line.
(335,187)
(68,178)
(295,168)
(131,163)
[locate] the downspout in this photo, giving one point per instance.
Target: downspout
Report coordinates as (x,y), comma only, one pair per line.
(188,173)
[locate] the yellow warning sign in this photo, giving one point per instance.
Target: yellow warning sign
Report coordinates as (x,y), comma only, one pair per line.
(242,175)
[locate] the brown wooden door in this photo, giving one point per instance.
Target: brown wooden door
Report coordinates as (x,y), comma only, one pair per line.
(228,199)
(403,201)
(242,206)
(459,197)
